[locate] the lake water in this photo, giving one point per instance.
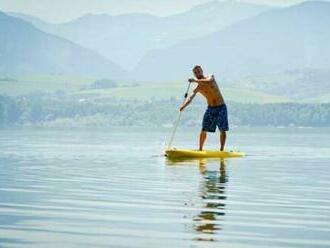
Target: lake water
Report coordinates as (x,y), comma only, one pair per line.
(112,188)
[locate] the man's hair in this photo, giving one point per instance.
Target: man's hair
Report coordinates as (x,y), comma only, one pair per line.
(197,67)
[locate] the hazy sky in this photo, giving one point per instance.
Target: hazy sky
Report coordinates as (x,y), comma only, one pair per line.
(64,10)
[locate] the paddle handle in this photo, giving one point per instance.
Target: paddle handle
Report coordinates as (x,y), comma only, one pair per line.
(178,119)
(174,130)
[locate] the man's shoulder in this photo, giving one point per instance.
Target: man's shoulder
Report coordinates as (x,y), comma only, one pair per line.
(211,77)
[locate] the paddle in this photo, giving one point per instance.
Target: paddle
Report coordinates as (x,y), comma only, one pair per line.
(178,119)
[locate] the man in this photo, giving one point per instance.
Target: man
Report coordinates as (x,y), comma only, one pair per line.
(216,112)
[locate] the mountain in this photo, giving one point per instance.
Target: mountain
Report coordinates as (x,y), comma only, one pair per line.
(213,16)
(126,38)
(278,40)
(37,22)
(26,50)
(298,85)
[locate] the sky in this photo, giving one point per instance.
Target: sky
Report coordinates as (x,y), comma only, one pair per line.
(66,10)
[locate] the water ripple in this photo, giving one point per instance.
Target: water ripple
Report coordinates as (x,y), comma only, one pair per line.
(84,189)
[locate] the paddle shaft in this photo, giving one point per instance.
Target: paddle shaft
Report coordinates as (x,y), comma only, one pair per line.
(178,118)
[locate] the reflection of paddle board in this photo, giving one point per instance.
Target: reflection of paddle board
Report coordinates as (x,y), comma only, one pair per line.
(186,153)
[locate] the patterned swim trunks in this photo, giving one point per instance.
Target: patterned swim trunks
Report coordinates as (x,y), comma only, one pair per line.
(215,117)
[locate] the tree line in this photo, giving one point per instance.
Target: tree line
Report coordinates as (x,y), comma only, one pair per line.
(61,109)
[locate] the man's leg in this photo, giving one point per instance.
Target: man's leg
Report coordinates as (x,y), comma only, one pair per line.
(223,136)
(202,138)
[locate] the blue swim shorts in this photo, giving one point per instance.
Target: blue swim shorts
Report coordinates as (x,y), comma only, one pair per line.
(215,117)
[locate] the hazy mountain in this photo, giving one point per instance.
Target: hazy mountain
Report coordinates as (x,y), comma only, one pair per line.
(126,38)
(277,40)
(32,19)
(299,85)
(25,49)
(211,17)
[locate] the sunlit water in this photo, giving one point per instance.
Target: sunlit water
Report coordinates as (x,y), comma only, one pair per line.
(112,188)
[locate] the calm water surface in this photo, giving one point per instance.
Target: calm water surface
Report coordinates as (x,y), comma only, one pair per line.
(112,188)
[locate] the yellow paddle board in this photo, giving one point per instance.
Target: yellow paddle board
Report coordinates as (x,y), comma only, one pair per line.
(185,153)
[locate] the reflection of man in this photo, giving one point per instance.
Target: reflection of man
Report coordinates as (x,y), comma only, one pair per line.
(216,112)
(213,189)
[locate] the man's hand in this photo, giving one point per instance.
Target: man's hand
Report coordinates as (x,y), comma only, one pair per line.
(191,80)
(182,108)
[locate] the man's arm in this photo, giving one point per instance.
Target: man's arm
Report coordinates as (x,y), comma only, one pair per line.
(190,99)
(207,80)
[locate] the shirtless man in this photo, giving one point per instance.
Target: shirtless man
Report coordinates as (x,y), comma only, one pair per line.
(216,112)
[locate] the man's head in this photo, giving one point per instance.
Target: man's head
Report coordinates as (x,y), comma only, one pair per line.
(198,72)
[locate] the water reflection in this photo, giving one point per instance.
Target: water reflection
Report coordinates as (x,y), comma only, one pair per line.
(212,192)
(208,222)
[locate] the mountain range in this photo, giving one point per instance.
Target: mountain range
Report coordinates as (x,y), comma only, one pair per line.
(247,46)
(25,49)
(275,41)
(126,38)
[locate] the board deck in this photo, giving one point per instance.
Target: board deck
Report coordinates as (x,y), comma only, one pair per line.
(186,153)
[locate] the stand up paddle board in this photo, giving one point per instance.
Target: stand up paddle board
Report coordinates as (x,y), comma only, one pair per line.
(185,153)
